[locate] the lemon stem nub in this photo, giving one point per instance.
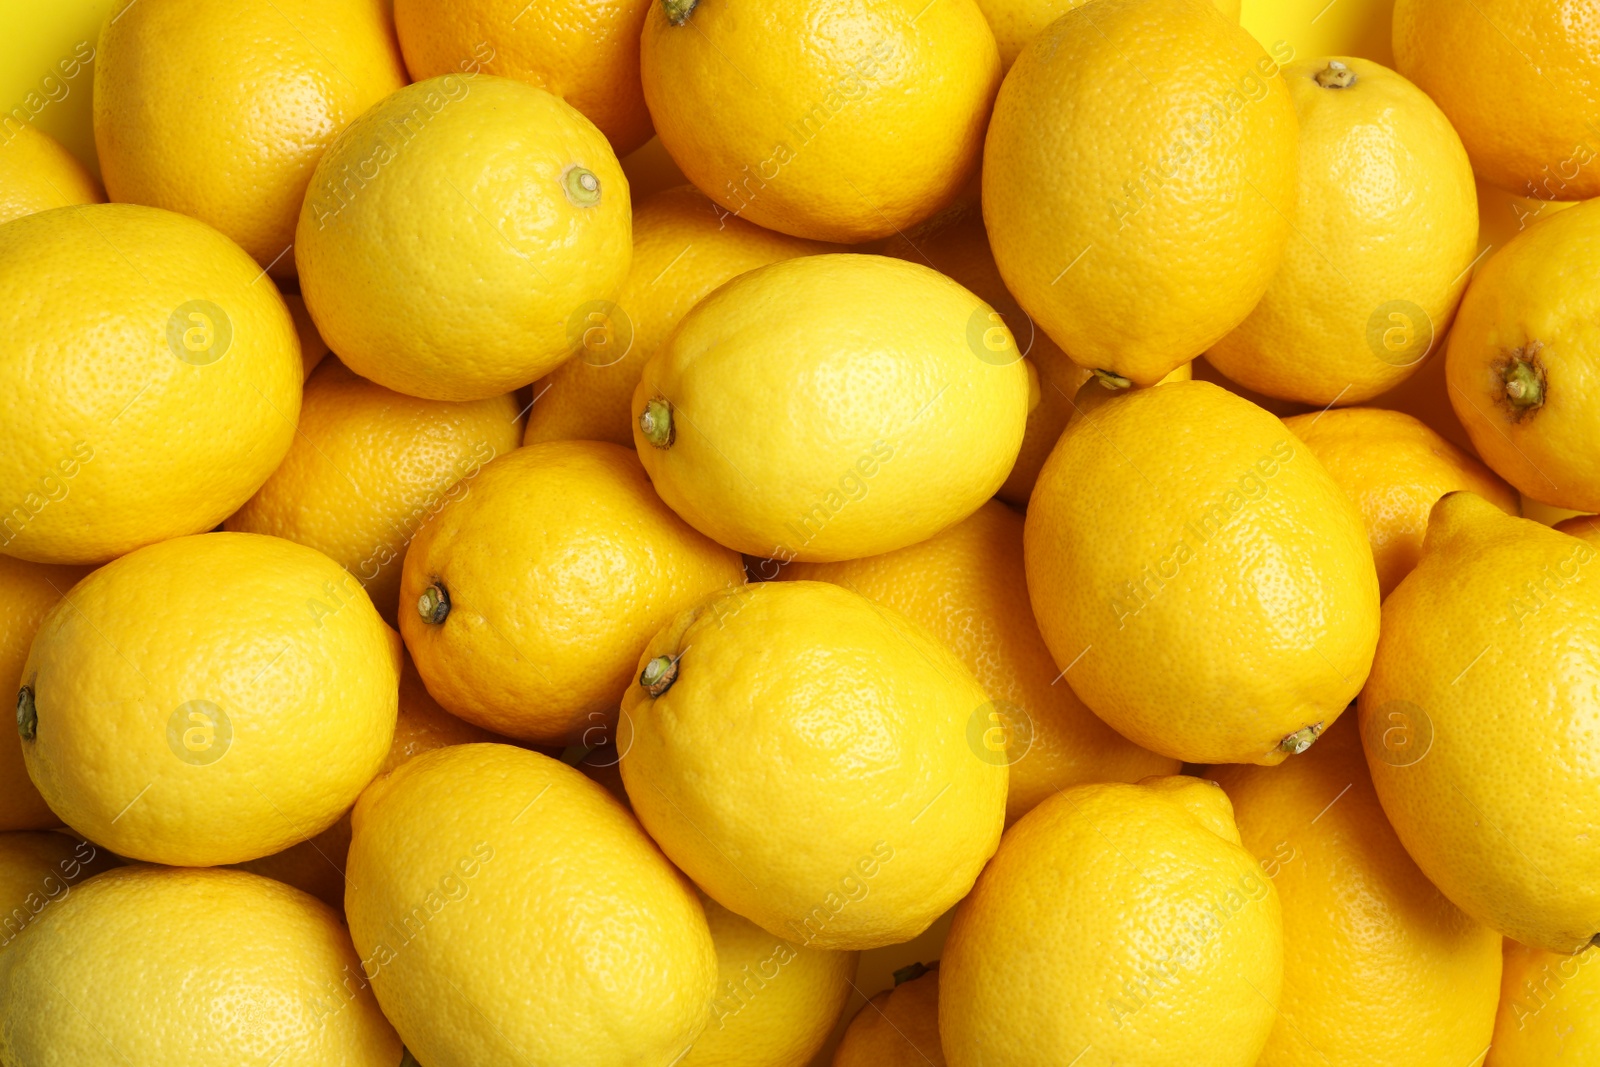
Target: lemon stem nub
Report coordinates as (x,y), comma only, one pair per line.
(1336,76)
(434,604)
(582,187)
(1524,384)
(913,972)
(655,422)
(1112,380)
(27,714)
(658,675)
(1301,739)
(678,11)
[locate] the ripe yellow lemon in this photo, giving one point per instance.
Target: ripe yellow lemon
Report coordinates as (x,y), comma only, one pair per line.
(684,246)
(776,1002)
(29,591)
(209,699)
(1378,967)
(38,870)
(151,379)
(1137,177)
(587,54)
(221,110)
(1519,362)
(899,1027)
(1016,22)
(1119,924)
(802,754)
(455,235)
(269,976)
(966,587)
(615,965)
(1548,1009)
(526,600)
(1395,469)
(1200,578)
(313,349)
(783,113)
(830,407)
(369,467)
(1474,721)
(1583,527)
(37,174)
(1385,234)
(1518,79)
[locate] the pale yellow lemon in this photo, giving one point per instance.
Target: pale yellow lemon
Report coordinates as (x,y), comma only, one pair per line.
(684,246)
(830,120)
(898,1027)
(151,378)
(37,174)
(1547,1009)
(1117,924)
(1201,580)
(802,754)
(455,234)
(209,699)
(613,967)
(831,407)
(1016,22)
(38,870)
(1137,178)
(221,110)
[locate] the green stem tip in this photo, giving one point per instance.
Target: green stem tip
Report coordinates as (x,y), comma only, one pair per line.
(1524,383)
(581,185)
(27,714)
(655,422)
(659,674)
(434,604)
(913,972)
(1336,76)
(1301,739)
(678,11)
(1112,380)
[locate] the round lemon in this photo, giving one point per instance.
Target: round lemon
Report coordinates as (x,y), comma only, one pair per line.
(252,972)
(37,174)
(455,235)
(802,754)
(587,54)
(684,246)
(1378,967)
(1474,721)
(1118,924)
(966,586)
(209,699)
(38,870)
(150,375)
(1203,583)
(615,965)
(1385,234)
(1137,176)
(898,1027)
(776,1002)
(369,467)
(832,120)
(1548,1009)
(221,110)
(1395,469)
(1016,22)
(831,407)
(1583,527)
(1520,361)
(526,601)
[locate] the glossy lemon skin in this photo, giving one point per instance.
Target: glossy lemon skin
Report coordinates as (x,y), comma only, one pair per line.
(37,174)
(38,870)
(1547,1009)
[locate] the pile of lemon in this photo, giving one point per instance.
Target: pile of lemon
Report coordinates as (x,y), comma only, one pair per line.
(588,535)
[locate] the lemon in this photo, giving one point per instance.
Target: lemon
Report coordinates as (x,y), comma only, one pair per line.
(313,349)
(1547,1011)
(966,587)
(802,754)
(455,235)
(1117,924)
(1203,583)
(835,121)
(222,110)
(38,870)
(684,246)
(1016,22)
(369,467)
(209,699)
(1385,234)
(1473,721)
(150,383)
(587,54)
(268,975)
(613,967)
(37,174)
(1519,362)
(776,1002)
(1583,527)
(1395,469)
(526,600)
(1378,967)
(1136,179)
(831,407)
(898,1027)
(1518,79)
